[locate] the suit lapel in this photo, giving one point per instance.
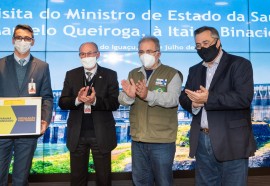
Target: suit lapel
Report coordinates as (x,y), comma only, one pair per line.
(203,76)
(81,78)
(10,61)
(99,79)
(220,69)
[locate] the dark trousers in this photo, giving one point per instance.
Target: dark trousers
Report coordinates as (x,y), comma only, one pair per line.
(23,150)
(79,160)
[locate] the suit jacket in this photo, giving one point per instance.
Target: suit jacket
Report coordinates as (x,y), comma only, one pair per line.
(39,72)
(228,108)
(107,91)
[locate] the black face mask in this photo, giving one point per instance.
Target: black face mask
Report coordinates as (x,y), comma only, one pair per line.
(208,54)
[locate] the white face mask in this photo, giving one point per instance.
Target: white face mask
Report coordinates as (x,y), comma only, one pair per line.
(22,47)
(147,60)
(89,62)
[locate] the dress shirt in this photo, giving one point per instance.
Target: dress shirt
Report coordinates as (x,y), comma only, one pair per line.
(209,76)
(27,59)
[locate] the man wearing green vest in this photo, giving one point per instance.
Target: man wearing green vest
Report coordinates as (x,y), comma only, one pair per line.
(152,91)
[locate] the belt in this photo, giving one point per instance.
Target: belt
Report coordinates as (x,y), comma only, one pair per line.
(205,130)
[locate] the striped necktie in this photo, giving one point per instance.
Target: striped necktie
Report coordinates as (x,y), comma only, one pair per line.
(88,78)
(21,61)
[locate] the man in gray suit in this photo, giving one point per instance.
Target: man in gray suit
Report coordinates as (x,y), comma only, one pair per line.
(19,73)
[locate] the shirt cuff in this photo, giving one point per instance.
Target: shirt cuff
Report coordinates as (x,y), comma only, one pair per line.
(128,100)
(150,97)
(195,111)
(77,102)
(94,103)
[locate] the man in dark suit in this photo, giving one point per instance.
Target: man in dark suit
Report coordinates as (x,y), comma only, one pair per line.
(219,92)
(91,94)
(22,75)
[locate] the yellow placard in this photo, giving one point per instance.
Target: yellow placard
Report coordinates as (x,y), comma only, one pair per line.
(20,116)
(7,119)
(14,102)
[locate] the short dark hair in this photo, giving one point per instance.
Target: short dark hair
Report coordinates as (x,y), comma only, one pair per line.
(150,38)
(24,27)
(92,43)
(214,32)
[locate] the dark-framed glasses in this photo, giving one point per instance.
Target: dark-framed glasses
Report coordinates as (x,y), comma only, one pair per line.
(20,38)
(88,54)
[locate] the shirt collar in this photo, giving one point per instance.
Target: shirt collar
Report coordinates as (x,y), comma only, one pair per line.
(217,60)
(93,71)
(27,59)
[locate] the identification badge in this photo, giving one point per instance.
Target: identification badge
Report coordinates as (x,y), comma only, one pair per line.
(32,87)
(87,108)
(161,82)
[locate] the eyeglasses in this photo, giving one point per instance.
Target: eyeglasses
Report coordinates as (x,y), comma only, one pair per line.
(20,38)
(205,44)
(140,52)
(88,54)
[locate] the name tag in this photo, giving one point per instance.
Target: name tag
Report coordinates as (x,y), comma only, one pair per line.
(32,88)
(87,108)
(161,82)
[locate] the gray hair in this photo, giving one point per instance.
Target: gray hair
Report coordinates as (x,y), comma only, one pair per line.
(150,38)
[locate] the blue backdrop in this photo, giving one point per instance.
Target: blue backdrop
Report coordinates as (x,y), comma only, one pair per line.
(116,26)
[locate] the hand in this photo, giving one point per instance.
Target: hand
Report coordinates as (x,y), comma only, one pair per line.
(82,94)
(44,126)
(129,87)
(92,97)
(141,89)
(199,96)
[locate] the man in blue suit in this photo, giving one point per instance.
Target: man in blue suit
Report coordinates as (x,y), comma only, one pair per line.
(218,93)
(22,75)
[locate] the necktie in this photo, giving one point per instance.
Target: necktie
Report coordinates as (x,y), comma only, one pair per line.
(21,61)
(88,78)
